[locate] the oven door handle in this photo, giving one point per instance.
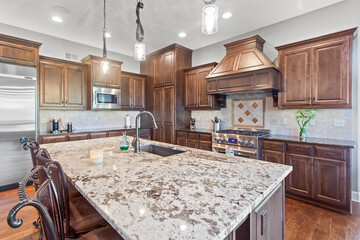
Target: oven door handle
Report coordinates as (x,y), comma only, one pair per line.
(241,151)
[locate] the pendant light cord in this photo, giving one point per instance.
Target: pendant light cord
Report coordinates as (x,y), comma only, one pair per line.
(139,28)
(104,32)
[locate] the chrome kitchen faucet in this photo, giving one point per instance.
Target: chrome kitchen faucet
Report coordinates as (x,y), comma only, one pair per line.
(136,141)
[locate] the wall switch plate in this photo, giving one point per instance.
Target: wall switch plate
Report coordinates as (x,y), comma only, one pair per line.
(284,121)
(312,122)
(339,123)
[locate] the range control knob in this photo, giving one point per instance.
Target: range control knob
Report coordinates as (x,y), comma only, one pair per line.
(246,142)
(252,143)
(226,140)
(216,139)
(220,140)
(240,141)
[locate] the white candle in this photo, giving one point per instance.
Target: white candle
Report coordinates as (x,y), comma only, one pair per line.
(96,157)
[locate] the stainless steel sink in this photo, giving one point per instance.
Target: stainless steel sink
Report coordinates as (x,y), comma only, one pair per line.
(160,151)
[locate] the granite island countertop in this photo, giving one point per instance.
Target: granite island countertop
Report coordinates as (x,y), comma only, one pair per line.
(193,195)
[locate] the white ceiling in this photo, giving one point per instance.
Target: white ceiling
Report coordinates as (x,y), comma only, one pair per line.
(162,19)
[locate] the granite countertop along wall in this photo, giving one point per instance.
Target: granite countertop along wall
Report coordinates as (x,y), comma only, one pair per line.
(90,131)
(192,195)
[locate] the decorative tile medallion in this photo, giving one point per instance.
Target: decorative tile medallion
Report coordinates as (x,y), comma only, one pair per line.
(248,112)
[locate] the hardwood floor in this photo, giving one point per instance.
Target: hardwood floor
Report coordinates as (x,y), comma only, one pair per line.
(302,221)
(8,199)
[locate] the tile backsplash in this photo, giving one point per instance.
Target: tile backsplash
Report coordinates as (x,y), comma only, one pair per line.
(283,122)
(86,120)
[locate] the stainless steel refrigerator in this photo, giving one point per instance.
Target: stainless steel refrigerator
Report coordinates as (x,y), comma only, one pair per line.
(17,120)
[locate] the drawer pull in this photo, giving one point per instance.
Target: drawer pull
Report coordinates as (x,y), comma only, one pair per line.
(298,149)
(330,153)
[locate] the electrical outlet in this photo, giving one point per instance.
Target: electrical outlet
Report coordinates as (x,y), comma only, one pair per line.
(312,122)
(284,122)
(339,123)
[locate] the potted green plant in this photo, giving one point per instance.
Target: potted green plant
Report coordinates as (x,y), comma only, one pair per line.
(303,117)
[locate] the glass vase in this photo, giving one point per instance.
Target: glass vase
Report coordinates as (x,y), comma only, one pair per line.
(124,144)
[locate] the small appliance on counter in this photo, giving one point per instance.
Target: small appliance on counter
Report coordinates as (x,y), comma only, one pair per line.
(192,124)
(69,127)
(55,126)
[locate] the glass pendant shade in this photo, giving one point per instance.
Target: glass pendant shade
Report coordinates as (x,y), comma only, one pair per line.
(140,53)
(210,19)
(105,67)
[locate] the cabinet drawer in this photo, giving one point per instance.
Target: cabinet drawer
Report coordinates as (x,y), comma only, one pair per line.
(115,133)
(192,136)
(274,146)
(205,145)
(302,149)
(98,135)
(145,131)
(205,137)
(76,137)
(330,152)
(131,133)
(53,139)
(181,134)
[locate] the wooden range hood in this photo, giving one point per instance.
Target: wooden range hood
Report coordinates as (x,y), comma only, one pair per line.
(244,69)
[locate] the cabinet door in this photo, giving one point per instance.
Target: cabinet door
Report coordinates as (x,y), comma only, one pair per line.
(168,68)
(157,133)
(157,71)
(52,139)
(331,73)
(114,76)
(168,115)
(192,143)
(299,181)
(98,77)
(191,91)
(18,54)
(296,68)
(272,156)
(98,135)
(126,92)
(205,145)
(330,181)
(158,104)
(75,87)
(168,101)
(181,142)
(168,133)
(51,85)
(138,93)
(205,101)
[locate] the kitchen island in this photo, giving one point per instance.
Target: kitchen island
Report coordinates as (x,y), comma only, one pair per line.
(192,195)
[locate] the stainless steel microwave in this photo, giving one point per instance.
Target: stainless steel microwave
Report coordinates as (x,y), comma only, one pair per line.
(106,98)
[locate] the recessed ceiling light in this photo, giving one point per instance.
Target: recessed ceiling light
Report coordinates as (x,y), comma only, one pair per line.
(57,19)
(182,34)
(107,35)
(227,15)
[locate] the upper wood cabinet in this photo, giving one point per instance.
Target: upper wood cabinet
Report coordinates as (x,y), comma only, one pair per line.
(98,78)
(132,91)
(165,90)
(19,51)
(62,84)
(195,88)
(316,73)
(164,65)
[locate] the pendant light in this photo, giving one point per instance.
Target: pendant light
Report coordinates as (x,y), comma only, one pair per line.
(104,62)
(140,53)
(210,16)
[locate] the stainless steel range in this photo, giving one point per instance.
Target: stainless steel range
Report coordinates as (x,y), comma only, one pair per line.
(242,142)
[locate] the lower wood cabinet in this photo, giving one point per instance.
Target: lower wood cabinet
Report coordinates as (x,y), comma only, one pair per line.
(321,173)
(300,179)
(143,133)
(194,140)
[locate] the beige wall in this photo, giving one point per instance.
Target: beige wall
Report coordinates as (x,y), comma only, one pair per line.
(87,120)
(331,19)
